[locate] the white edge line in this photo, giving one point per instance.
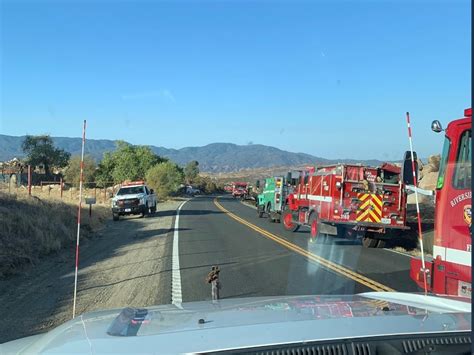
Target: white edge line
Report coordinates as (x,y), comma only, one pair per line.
(176,293)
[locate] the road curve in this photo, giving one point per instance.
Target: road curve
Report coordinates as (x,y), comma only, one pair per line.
(259,258)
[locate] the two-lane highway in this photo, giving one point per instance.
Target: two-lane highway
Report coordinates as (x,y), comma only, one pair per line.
(259,258)
(141,262)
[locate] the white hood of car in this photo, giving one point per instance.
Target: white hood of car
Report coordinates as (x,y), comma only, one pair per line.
(238,323)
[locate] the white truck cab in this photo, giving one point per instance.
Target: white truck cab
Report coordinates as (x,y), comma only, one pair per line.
(133,198)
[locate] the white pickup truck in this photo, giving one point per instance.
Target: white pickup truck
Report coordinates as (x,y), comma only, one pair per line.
(133,198)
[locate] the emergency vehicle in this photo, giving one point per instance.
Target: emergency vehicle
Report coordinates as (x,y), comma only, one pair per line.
(349,200)
(269,202)
(275,190)
(133,198)
(449,271)
(239,189)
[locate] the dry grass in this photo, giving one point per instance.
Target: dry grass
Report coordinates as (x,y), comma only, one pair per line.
(53,193)
(32,227)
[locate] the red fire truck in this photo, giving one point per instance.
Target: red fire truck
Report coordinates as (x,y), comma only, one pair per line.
(349,200)
(449,272)
(239,189)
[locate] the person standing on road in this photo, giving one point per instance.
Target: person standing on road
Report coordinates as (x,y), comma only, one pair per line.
(213,279)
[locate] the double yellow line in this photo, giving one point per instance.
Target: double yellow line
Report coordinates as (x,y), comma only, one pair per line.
(374,285)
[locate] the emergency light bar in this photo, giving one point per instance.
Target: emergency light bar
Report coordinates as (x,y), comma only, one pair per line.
(128,183)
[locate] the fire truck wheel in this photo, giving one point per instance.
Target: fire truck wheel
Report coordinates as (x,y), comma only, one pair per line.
(288,224)
(381,243)
(314,225)
(369,242)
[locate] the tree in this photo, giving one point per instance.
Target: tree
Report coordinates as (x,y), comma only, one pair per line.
(206,184)
(127,162)
(103,175)
(40,150)
(73,170)
(165,178)
(191,171)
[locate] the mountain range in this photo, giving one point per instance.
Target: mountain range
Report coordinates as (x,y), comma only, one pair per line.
(215,157)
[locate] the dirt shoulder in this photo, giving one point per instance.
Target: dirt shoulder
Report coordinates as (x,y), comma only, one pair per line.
(127,264)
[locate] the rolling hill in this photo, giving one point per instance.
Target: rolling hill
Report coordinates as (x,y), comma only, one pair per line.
(215,157)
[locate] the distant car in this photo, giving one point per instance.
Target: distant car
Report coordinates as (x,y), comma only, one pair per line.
(192,191)
(132,199)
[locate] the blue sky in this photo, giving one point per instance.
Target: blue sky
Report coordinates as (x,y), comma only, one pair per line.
(333,78)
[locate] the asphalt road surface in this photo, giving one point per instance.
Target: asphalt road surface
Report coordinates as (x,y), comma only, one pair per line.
(166,257)
(260,258)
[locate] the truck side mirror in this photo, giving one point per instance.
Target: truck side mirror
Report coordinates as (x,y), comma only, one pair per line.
(436,126)
(152,191)
(288,177)
(257,184)
(407,168)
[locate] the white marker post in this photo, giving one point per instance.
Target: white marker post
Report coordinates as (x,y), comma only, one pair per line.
(79,217)
(418,216)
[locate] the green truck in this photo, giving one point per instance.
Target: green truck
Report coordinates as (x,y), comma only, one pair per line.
(269,202)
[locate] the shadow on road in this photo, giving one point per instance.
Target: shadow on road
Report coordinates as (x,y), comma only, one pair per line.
(150,274)
(124,280)
(157,232)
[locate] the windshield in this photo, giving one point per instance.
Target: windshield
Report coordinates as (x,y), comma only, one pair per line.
(131,190)
(443,163)
(463,171)
(170,152)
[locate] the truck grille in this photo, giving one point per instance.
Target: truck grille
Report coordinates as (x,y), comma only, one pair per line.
(129,202)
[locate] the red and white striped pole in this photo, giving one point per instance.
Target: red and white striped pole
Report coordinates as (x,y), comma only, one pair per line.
(418,216)
(79,217)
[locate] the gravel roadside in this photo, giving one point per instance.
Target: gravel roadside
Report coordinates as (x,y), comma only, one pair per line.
(127,264)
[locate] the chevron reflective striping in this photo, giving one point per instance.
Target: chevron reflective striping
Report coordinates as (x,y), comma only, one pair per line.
(363,197)
(371,208)
(362,216)
(364,206)
(377,199)
(375,218)
(377,209)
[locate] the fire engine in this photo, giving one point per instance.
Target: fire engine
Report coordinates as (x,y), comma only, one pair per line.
(449,271)
(350,200)
(239,189)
